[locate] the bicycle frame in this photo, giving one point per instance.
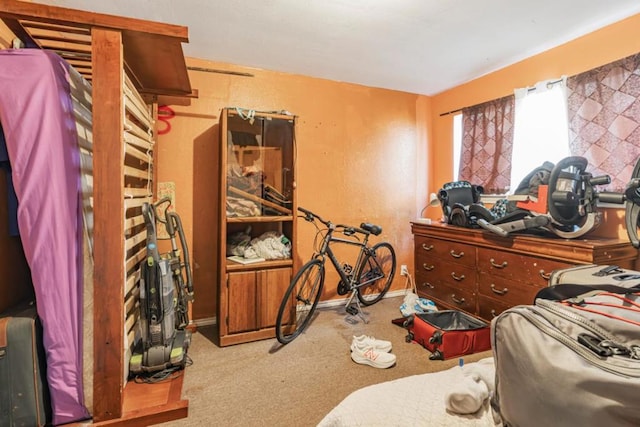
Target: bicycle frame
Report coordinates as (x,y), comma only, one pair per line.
(326,250)
(351,279)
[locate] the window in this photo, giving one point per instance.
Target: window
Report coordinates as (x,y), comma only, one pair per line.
(598,116)
(541,131)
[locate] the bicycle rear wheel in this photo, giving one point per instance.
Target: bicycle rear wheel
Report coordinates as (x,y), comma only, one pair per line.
(378,269)
(300,301)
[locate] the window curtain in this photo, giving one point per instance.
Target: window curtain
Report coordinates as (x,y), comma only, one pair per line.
(604,119)
(487,144)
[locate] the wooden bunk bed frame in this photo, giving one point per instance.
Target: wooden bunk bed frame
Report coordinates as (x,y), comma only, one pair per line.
(100,46)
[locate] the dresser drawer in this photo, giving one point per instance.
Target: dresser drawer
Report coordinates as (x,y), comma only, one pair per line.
(489,308)
(429,251)
(506,291)
(459,299)
(518,267)
(446,273)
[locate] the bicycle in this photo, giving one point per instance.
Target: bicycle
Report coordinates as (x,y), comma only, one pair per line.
(367,281)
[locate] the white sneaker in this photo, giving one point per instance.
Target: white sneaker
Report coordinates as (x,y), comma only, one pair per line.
(379,345)
(367,355)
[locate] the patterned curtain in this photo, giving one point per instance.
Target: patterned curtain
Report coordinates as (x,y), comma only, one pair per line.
(487,140)
(604,119)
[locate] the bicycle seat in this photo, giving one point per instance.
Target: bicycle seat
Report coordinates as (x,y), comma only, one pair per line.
(371,228)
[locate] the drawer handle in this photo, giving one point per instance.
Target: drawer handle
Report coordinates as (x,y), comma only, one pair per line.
(493,263)
(456,255)
(457,301)
(493,313)
(458,278)
(427,285)
(427,248)
(544,275)
(428,267)
(498,291)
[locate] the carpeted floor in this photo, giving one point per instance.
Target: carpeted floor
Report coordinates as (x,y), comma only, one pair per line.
(265,384)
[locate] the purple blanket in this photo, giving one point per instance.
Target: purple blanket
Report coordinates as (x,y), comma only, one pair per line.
(37,118)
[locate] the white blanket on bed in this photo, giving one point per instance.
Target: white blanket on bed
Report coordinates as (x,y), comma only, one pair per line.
(418,400)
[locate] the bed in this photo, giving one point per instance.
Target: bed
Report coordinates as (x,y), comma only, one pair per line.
(418,400)
(37,113)
(87,345)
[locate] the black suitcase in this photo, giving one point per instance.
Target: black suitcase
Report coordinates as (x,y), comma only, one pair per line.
(24,393)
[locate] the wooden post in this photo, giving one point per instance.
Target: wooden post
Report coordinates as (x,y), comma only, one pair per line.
(108,297)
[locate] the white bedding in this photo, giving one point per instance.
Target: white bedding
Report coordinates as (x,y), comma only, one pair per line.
(418,400)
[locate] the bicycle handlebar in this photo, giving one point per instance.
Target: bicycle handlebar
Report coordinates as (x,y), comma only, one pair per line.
(365,228)
(310,216)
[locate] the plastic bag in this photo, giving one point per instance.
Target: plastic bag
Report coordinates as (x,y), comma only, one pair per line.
(413,303)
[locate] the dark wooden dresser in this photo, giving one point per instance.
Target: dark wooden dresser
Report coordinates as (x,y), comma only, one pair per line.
(483,274)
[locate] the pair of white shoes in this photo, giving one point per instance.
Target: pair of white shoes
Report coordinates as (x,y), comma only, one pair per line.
(367,350)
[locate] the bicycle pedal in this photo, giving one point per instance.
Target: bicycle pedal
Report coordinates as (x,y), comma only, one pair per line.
(352,310)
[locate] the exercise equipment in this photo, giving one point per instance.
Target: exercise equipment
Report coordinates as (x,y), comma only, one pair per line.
(568,207)
(632,206)
(571,206)
(572,203)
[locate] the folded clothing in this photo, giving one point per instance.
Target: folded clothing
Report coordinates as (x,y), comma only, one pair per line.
(476,387)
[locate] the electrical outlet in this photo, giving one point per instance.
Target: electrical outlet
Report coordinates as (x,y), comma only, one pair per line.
(403,270)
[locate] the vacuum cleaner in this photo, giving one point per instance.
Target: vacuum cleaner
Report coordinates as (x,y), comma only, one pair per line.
(166,287)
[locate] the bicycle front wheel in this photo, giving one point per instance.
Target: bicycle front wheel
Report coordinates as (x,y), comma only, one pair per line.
(376,274)
(300,301)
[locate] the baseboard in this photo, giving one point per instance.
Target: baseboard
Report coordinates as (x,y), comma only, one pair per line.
(207,321)
(343,301)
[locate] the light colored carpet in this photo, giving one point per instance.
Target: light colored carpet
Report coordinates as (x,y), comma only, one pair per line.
(265,384)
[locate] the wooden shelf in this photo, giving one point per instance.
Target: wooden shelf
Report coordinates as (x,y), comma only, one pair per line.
(261,218)
(148,404)
(235,266)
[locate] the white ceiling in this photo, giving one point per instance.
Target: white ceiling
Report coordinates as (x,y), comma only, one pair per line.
(417,46)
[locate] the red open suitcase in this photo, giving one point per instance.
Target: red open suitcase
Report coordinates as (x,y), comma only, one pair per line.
(449,333)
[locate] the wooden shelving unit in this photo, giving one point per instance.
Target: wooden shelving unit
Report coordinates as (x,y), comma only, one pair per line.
(249,295)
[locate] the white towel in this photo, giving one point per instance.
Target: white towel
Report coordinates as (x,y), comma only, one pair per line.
(476,386)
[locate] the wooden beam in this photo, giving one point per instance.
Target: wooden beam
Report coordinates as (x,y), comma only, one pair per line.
(66,29)
(20,32)
(108,382)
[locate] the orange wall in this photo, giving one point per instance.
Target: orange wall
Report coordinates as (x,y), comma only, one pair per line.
(364,154)
(598,48)
(361,157)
